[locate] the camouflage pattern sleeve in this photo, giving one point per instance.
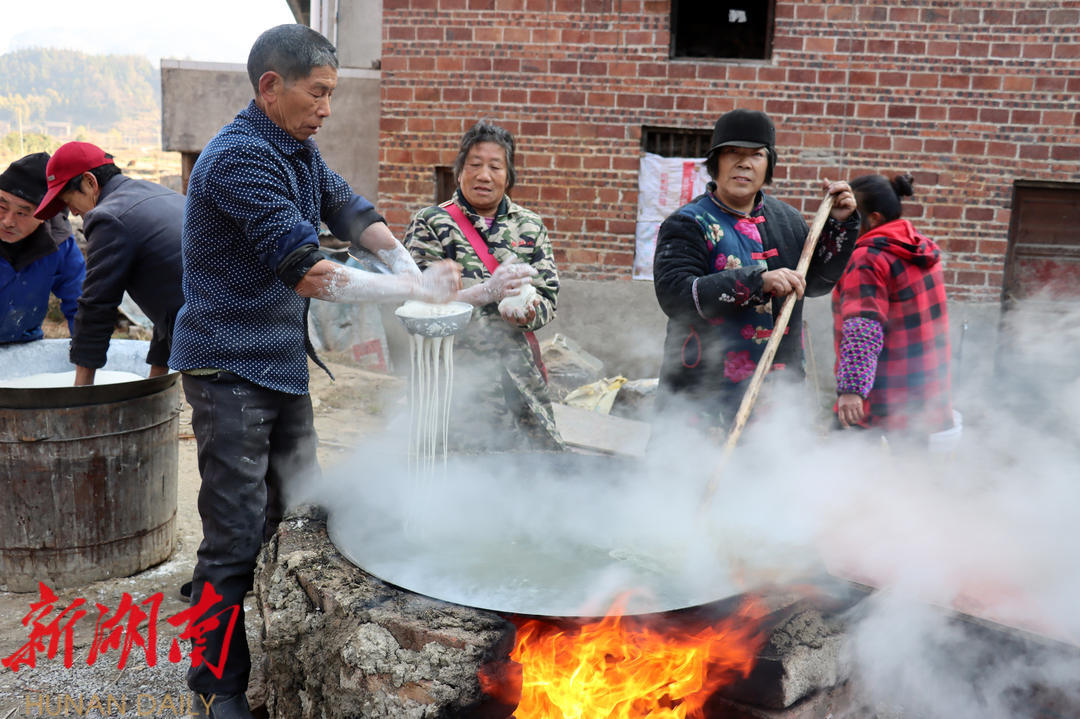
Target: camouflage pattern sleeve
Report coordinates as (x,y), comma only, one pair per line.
(546,280)
(422,240)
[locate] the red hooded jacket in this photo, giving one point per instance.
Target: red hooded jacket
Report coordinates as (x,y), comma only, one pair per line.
(894,277)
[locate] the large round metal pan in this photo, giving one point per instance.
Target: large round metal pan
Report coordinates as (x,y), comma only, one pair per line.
(51,355)
(540,534)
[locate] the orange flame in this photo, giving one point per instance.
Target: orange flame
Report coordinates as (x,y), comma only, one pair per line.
(619,668)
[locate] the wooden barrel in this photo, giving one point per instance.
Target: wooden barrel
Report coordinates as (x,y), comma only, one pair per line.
(88,477)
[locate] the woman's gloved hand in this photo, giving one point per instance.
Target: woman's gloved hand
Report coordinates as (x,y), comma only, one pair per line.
(507,280)
(519,309)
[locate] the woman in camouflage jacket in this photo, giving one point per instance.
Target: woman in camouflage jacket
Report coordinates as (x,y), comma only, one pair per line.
(501,398)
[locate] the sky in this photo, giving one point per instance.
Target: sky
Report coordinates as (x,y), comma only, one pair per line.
(205,30)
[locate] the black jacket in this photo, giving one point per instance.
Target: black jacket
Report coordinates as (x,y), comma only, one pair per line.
(682,256)
(133,245)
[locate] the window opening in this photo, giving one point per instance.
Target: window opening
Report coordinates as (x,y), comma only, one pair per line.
(444,183)
(675,141)
(722,28)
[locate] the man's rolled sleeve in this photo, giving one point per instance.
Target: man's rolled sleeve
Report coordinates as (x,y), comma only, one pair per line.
(301,237)
(298,263)
(350,220)
(831,256)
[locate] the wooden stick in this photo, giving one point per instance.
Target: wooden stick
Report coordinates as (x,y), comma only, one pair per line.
(765,363)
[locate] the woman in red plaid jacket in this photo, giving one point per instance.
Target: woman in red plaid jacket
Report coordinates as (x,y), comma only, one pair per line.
(891,325)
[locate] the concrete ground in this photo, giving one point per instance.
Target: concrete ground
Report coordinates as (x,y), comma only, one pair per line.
(344,411)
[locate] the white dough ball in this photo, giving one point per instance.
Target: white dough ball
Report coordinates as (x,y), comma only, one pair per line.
(521,301)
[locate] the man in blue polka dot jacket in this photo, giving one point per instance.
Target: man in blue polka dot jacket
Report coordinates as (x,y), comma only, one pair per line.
(256,197)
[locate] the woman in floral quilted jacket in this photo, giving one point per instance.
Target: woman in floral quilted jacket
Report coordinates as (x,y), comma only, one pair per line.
(724,264)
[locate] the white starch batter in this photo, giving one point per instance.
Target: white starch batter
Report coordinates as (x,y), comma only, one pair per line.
(431,382)
(67,379)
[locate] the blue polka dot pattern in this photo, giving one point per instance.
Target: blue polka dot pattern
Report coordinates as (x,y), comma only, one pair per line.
(255,195)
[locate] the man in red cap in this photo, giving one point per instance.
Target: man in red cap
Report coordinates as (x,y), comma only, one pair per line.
(36,257)
(132,230)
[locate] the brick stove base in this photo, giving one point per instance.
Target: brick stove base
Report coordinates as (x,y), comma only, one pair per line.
(339,643)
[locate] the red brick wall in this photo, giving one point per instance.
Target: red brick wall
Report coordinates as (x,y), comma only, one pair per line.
(968,96)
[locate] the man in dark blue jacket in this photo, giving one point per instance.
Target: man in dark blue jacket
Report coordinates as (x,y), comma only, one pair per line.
(132,230)
(36,257)
(256,198)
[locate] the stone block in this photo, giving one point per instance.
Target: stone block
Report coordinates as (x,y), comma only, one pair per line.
(803,656)
(341,643)
(569,366)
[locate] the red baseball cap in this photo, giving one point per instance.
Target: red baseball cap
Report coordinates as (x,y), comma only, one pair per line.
(70,160)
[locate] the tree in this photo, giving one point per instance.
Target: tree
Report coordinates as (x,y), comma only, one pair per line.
(30,142)
(98,91)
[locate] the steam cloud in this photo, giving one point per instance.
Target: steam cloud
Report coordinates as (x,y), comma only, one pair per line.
(992,529)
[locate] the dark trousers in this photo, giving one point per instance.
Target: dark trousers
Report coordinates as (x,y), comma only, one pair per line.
(252,443)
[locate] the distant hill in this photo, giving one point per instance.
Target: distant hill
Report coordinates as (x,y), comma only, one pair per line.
(40,87)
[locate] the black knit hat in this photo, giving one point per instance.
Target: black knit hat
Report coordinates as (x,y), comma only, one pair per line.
(744,128)
(25,178)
